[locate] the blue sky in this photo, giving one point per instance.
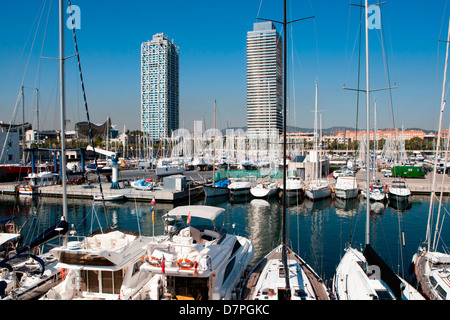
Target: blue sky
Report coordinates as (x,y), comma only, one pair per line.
(212,40)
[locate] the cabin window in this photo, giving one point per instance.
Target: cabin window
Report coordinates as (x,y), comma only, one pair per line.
(442,293)
(101,281)
(228,269)
(107,282)
(136,267)
(185,288)
(384,295)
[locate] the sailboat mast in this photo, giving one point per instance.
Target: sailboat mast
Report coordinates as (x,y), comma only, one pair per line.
(62,106)
(284,249)
(367,125)
(438,145)
(284,118)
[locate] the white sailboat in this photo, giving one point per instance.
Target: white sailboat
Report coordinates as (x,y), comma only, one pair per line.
(364,275)
(432,268)
(197,260)
(220,188)
(264,189)
(282,274)
(318,188)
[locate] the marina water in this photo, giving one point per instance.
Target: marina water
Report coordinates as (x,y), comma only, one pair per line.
(319,231)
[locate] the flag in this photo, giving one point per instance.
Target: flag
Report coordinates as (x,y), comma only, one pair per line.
(189,218)
(153,209)
(163,264)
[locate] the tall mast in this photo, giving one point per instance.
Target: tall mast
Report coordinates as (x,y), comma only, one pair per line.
(62,106)
(438,145)
(23,124)
(284,254)
(368,126)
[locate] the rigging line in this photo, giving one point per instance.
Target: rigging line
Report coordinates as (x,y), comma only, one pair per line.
(315,37)
(23,78)
(259,9)
(359,74)
(42,47)
(23,50)
(32,44)
(89,121)
(437,66)
(387,73)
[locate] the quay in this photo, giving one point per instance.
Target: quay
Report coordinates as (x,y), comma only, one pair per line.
(418,186)
(92,188)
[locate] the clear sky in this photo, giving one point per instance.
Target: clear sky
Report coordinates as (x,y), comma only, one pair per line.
(211,36)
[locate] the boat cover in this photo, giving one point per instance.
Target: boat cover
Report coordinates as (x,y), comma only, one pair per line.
(205,212)
(387,275)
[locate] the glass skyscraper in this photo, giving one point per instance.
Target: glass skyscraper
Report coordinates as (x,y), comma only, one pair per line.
(159,87)
(264,79)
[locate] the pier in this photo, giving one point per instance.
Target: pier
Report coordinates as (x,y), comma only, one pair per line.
(418,186)
(92,188)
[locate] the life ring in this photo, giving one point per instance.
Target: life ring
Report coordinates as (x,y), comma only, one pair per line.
(186,264)
(10,227)
(62,273)
(154,261)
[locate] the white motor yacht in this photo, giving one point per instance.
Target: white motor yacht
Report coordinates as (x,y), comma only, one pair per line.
(346,187)
(239,188)
(398,191)
(100,267)
(195,260)
(318,189)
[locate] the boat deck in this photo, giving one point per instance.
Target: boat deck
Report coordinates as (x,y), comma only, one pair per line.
(317,283)
(422,279)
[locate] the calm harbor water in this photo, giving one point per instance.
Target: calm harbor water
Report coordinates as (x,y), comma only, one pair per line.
(319,231)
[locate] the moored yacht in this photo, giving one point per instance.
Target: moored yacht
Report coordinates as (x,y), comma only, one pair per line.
(264,189)
(196,259)
(318,189)
(364,276)
(398,191)
(101,266)
(346,187)
(239,188)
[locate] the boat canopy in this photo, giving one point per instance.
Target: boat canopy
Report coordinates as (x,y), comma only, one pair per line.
(205,212)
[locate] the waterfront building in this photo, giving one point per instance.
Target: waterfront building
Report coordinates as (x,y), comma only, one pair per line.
(264,79)
(10,143)
(159,87)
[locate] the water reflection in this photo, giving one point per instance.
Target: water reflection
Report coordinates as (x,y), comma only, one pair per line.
(318,231)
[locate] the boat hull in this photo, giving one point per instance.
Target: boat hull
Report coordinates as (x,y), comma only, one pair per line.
(346,193)
(316,194)
(264,191)
(211,191)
